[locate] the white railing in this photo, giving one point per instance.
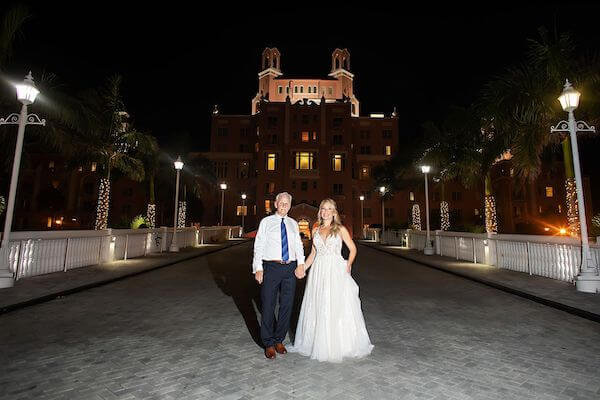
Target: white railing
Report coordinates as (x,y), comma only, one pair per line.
(37,253)
(555,257)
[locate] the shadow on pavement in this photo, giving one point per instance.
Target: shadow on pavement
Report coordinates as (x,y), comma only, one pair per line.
(235,279)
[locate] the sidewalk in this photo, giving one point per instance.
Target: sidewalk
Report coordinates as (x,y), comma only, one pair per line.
(550,292)
(38,289)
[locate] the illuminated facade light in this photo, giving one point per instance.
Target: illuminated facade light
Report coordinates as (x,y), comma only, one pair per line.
(491,221)
(103,204)
(416,217)
(444,216)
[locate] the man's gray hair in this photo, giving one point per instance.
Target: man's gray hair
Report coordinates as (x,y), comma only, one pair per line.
(280,195)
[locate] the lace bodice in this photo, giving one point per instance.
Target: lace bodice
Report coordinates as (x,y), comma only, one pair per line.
(331,246)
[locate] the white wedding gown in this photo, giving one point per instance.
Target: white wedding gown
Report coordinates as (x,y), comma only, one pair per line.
(331,324)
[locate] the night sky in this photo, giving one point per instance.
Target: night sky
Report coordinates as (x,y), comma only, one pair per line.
(178,62)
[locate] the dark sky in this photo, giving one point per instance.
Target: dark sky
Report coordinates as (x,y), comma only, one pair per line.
(178,62)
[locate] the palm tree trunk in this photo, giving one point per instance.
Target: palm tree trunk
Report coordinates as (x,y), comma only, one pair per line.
(151,208)
(570,192)
(103,201)
(444,209)
(491,223)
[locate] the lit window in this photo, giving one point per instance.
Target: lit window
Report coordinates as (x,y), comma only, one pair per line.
(271,161)
(388,150)
(477,211)
(411,196)
(93,168)
(549,191)
(314,135)
(338,162)
(559,209)
(268,206)
(304,160)
(305,136)
(364,172)
(51,164)
(256,147)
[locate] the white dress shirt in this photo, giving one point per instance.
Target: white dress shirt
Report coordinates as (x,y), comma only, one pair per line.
(267,245)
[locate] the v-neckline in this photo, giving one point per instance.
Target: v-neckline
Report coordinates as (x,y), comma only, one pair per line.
(324,239)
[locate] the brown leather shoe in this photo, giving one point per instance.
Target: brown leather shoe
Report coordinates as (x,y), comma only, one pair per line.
(280,348)
(270,353)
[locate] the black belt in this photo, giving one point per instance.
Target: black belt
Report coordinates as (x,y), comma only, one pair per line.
(280,262)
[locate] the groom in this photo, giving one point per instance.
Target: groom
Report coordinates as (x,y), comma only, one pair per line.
(278,252)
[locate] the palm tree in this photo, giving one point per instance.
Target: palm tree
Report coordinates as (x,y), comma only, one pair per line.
(107,137)
(465,147)
(522,104)
(11,23)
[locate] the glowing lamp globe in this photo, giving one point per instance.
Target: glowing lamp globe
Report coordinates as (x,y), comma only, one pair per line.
(362,198)
(223,186)
(425,169)
(382,189)
(244,196)
(569,98)
(178,163)
(26,91)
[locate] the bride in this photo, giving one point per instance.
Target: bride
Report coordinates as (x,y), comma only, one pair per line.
(331,324)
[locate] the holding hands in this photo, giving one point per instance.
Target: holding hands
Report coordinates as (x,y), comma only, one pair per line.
(300,272)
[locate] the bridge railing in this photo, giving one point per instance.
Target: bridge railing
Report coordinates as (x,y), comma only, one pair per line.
(41,252)
(555,257)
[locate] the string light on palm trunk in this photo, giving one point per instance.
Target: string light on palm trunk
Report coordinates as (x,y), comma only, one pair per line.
(491,222)
(103,204)
(151,216)
(416,217)
(182,214)
(572,209)
(444,216)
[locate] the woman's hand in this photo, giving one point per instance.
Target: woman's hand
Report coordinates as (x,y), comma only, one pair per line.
(349,267)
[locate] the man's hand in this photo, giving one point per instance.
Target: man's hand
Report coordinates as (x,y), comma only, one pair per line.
(300,273)
(259,277)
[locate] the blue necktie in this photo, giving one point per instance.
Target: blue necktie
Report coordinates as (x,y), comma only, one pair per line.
(284,243)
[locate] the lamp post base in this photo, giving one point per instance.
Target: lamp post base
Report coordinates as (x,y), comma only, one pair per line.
(6,279)
(588,282)
(428,251)
(174,248)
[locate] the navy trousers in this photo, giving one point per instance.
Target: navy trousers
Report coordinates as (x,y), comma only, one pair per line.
(277,279)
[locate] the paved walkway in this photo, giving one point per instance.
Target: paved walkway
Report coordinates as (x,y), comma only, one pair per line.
(189,331)
(47,287)
(551,292)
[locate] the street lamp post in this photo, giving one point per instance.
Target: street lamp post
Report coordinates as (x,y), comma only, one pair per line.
(26,94)
(588,279)
(178,167)
(243,210)
(382,190)
(223,189)
(428,247)
(362,224)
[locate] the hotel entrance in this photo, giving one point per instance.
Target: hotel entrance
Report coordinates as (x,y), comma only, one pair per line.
(304,227)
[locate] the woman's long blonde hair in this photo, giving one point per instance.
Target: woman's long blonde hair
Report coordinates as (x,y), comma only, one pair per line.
(336,223)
